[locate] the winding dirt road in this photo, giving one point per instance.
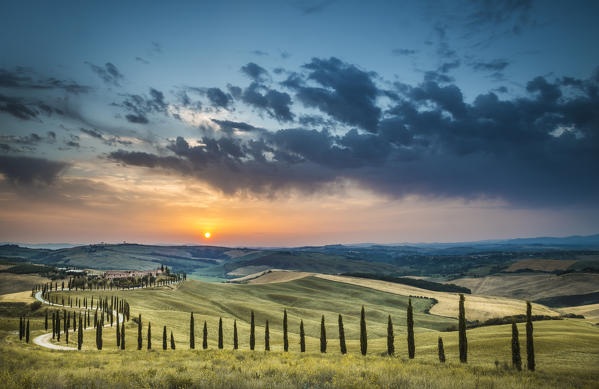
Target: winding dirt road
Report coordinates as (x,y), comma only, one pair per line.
(44,340)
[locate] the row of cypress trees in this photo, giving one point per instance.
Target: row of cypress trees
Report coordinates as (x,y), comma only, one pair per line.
(120,334)
(81,283)
(23,329)
(462,338)
(323,334)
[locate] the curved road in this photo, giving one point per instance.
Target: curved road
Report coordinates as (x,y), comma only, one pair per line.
(44,340)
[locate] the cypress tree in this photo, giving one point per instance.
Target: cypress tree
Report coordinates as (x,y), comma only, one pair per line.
(463,341)
(27,332)
(172,341)
(20,327)
(53,325)
(530,347)
(118,335)
(205,336)
(516,358)
(302,337)
(252,332)
(363,335)
(46,321)
(123,336)
(66,333)
(323,336)
(342,336)
(149,336)
(441,350)
(235,339)
(58,326)
(285,335)
(164,338)
(79,335)
(139,340)
(390,337)
(266,337)
(220,333)
(100,326)
(192,341)
(410,324)
(75,322)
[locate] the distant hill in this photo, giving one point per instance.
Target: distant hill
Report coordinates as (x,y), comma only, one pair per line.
(219,263)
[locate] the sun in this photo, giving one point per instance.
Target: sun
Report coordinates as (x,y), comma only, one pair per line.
(207,235)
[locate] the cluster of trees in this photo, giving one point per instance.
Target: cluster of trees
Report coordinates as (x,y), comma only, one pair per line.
(101,303)
(93,283)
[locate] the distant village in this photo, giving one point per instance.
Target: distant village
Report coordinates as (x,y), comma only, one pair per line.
(115,274)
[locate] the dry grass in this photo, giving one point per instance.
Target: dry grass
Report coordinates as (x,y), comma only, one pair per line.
(11,283)
(541,265)
(590,311)
(18,297)
(272,276)
(567,351)
(531,286)
(478,307)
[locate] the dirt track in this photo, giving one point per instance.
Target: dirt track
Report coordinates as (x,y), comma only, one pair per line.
(44,340)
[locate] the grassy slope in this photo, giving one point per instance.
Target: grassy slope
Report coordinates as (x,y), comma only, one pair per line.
(311,262)
(567,351)
(12,283)
(532,286)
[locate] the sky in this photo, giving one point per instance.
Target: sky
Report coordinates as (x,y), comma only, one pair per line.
(287,123)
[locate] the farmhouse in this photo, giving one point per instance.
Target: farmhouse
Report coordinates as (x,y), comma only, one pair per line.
(112,274)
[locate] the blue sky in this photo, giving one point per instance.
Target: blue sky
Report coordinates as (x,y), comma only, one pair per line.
(427,109)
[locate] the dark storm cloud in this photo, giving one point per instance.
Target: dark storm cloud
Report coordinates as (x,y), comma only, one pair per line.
(26,109)
(27,143)
(29,170)
(538,149)
(109,73)
(255,71)
(16,108)
(345,92)
(259,53)
(235,91)
(229,126)
(139,119)
(93,133)
(218,98)
(140,106)
(276,104)
(106,139)
(24,78)
(144,61)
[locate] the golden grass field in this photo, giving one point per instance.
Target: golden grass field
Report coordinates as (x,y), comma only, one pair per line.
(567,351)
(531,286)
(10,283)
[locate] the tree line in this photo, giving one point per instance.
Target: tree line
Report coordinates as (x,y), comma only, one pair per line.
(82,283)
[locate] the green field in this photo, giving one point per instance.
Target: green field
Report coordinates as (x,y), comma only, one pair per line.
(567,351)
